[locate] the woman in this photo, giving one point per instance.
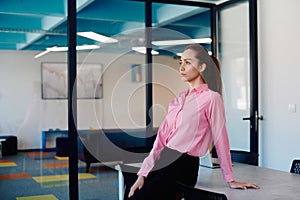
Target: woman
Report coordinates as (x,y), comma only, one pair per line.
(195,119)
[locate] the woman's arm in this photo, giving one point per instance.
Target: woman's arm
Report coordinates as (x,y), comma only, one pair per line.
(220,137)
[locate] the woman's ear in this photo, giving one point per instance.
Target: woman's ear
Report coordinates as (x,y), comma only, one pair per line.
(202,67)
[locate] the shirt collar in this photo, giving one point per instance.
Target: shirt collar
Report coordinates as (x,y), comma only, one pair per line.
(184,93)
(200,88)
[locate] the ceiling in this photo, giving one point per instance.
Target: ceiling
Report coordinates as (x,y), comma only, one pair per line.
(40,24)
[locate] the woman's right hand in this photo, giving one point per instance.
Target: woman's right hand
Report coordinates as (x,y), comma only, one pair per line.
(137,185)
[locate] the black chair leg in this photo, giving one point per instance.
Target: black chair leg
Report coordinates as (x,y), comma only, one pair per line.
(87,169)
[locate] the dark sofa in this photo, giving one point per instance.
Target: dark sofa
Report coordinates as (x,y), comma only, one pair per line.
(107,145)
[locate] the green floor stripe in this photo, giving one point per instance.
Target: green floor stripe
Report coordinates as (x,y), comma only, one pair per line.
(54,184)
(39,197)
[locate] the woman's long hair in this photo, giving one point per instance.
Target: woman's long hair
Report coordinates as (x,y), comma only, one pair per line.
(211,75)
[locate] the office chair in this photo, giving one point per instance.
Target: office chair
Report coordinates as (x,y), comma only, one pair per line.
(191,193)
(295,168)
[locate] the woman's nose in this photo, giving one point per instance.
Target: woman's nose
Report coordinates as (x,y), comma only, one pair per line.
(181,68)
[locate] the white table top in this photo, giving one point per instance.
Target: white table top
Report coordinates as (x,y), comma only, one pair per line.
(274,184)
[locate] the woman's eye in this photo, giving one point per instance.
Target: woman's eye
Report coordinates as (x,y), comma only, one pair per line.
(180,63)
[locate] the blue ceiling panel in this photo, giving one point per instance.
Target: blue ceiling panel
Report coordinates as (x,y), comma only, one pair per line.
(8,37)
(9,46)
(34,7)
(19,22)
(114,10)
(196,21)
(39,24)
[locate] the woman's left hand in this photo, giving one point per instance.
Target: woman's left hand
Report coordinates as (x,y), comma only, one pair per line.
(242,185)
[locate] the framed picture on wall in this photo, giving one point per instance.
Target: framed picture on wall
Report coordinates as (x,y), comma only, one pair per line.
(55,81)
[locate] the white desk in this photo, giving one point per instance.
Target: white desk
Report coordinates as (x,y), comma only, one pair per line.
(121,179)
(274,184)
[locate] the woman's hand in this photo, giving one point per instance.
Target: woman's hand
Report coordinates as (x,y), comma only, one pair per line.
(137,185)
(242,185)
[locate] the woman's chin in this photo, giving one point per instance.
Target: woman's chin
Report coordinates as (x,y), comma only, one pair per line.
(184,79)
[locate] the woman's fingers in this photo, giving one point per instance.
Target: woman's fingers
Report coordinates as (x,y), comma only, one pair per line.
(137,185)
(132,190)
(243,185)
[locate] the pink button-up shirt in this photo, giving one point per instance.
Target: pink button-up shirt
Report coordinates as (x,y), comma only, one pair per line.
(195,118)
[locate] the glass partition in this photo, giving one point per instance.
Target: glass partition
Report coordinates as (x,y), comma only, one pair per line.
(234,55)
(33,106)
(112,120)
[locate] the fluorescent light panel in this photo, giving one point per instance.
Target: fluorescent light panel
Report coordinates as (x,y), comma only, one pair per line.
(97,37)
(143,50)
(82,47)
(184,41)
(41,54)
(60,49)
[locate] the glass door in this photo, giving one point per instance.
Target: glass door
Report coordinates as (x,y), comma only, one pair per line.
(236,51)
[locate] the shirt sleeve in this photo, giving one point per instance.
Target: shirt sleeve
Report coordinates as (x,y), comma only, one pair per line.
(220,136)
(154,154)
(159,143)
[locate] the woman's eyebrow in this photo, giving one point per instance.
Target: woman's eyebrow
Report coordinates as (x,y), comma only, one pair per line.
(185,59)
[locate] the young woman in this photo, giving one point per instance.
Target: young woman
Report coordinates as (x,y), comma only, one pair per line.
(194,120)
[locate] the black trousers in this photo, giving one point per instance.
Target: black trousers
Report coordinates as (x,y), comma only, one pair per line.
(160,184)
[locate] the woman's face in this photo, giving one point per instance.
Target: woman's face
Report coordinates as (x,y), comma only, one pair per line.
(189,66)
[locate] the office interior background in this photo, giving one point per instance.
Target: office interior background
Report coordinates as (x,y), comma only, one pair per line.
(25,114)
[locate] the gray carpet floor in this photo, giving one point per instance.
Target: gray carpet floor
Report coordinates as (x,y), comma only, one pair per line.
(17,182)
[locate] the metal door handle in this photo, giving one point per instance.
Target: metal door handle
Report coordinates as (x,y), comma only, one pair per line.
(247,118)
(257,117)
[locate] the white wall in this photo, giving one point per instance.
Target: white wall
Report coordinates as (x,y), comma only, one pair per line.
(279,82)
(25,114)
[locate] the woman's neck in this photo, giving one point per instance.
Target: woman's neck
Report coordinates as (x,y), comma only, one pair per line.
(196,82)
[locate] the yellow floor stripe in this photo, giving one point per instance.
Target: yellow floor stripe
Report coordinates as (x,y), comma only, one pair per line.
(42,179)
(8,164)
(61,158)
(40,197)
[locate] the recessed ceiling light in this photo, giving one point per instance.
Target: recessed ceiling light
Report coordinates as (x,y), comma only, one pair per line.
(97,37)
